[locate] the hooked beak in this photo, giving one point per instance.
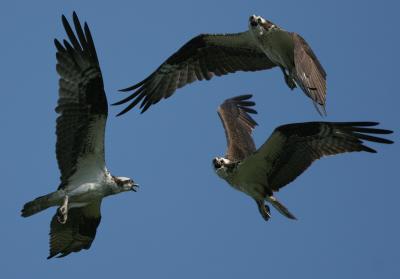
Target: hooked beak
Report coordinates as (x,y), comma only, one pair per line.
(253,21)
(134,187)
(216,164)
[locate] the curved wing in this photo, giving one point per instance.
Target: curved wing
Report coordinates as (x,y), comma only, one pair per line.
(238,125)
(201,58)
(310,75)
(292,148)
(82,104)
(77,233)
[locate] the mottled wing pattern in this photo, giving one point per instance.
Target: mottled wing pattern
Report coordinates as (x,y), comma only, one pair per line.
(82,104)
(310,75)
(201,58)
(77,233)
(238,126)
(292,148)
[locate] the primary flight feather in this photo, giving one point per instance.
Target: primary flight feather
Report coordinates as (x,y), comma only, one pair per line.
(82,114)
(263,46)
(286,154)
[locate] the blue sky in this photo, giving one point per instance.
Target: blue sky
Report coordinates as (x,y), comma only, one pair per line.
(185,222)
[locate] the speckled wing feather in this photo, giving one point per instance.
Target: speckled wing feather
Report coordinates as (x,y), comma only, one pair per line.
(201,58)
(238,125)
(77,233)
(292,148)
(310,75)
(82,104)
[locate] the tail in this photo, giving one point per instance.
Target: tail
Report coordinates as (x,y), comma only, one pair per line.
(38,204)
(280,207)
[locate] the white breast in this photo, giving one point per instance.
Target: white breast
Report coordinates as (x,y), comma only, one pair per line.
(246,181)
(90,182)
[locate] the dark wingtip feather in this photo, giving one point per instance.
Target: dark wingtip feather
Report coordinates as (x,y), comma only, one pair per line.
(146,107)
(244,104)
(249,110)
(125,100)
(357,123)
(127,89)
(74,15)
(368,149)
(125,110)
(243,97)
(372,130)
(122,112)
(58,45)
(135,86)
(64,19)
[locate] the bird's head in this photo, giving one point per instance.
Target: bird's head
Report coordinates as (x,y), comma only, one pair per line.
(260,25)
(124,184)
(220,163)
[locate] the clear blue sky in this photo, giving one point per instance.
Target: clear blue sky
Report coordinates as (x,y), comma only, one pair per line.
(185,222)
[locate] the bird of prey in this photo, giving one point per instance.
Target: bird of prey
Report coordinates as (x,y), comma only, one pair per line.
(287,153)
(263,46)
(82,114)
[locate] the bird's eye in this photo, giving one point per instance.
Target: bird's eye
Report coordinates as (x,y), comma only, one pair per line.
(216,164)
(259,20)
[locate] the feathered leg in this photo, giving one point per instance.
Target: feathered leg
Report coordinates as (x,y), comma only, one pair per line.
(288,79)
(264,209)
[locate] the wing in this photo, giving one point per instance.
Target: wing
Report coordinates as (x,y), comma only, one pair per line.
(292,148)
(77,233)
(238,125)
(201,58)
(82,104)
(310,75)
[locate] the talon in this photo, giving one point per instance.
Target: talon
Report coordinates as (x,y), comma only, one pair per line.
(62,212)
(290,83)
(264,210)
(62,219)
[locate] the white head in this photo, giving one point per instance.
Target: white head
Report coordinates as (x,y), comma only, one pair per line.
(259,26)
(123,184)
(220,165)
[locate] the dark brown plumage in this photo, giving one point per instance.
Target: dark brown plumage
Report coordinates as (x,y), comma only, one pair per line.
(238,126)
(310,75)
(201,58)
(82,101)
(287,153)
(77,233)
(303,143)
(82,109)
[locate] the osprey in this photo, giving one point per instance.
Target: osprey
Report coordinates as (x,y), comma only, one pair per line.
(85,180)
(263,46)
(287,153)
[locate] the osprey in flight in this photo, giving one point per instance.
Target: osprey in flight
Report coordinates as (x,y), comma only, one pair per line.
(85,180)
(263,46)
(287,153)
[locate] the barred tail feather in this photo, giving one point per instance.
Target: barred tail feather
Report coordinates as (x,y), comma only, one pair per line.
(280,207)
(38,204)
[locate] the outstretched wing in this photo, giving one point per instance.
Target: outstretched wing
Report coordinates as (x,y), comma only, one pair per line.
(82,104)
(201,58)
(77,233)
(310,75)
(238,125)
(292,148)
